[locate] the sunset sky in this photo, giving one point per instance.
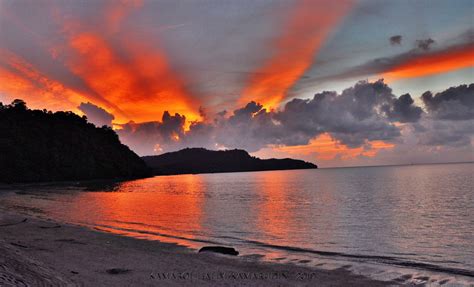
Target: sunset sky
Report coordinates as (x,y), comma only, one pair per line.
(289,78)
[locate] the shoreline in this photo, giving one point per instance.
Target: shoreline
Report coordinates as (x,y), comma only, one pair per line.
(44,252)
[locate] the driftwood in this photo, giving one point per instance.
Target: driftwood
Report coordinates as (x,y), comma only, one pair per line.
(116,271)
(219,249)
(49,227)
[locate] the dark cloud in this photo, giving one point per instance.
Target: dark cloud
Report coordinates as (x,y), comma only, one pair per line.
(96,114)
(362,113)
(396,40)
(353,117)
(455,103)
(200,134)
(425,44)
(156,136)
(222,113)
(467,36)
(449,118)
(403,110)
(202,112)
(172,125)
(247,111)
(447,133)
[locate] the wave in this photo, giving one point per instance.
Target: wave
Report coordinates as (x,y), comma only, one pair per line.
(395,261)
(154,233)
(378,259)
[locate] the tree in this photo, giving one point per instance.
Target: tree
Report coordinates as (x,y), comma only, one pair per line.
(19,104)
(39,145)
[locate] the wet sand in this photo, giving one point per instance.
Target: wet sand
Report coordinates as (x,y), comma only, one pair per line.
(38,252)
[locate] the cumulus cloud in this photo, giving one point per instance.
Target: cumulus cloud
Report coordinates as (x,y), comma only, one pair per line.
(446,133)
(455,103)
(356,118)
(396,40)
(425,44)
(153,137)
(96,114)
(449,118)
(353,117)
(360,114)
(403,110)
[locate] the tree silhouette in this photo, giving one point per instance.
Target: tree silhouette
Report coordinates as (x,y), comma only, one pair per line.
(39,145)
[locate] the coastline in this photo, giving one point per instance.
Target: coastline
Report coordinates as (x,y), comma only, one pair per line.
(44,252)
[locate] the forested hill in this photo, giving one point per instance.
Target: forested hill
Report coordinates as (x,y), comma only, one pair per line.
(39,145)
(200,160)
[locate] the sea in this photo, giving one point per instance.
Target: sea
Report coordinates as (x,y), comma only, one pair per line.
(384,222)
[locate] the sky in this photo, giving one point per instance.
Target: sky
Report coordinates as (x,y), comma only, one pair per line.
(337,83)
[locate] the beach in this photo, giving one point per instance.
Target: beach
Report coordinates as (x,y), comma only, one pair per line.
(42,252)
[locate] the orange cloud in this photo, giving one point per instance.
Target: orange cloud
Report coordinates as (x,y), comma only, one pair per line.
(117,10)
(432,64)
(308,26)
(22,80)
(327,148)
(134,76)
(129,79)
(140,83)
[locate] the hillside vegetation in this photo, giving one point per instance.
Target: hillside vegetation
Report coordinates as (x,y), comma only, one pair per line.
(39,145)
(200,160)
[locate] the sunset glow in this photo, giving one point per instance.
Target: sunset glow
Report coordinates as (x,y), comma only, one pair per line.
(432,64)
(236,142)
(131,83)
(324,147)
(128,207)
(302,36)
(226,73)
(139,86)
(19,79)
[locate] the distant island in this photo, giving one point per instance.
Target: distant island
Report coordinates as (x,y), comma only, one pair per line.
(200,160)
(39,145)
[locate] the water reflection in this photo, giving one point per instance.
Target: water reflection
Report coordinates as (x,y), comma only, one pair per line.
(160,205)
(275,216)
(421,213)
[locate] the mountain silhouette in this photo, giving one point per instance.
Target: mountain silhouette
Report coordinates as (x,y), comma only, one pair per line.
(200,160)
(39,145)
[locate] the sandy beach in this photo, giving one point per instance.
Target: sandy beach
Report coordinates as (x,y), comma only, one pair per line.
(40,252)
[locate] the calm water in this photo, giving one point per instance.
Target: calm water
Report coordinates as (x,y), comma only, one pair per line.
(419,217)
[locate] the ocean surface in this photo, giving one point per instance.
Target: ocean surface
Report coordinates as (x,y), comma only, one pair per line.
(381,221)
